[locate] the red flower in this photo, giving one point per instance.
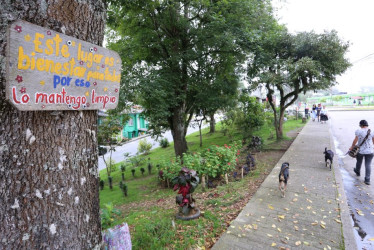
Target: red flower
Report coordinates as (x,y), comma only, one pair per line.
(229,163)
(229,146)
(18,28)
(236,160)
(208,149)
(19,78)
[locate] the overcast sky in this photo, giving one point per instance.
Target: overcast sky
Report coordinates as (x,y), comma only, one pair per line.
(354,21)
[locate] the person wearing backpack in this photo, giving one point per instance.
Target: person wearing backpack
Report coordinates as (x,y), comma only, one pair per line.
(365,141)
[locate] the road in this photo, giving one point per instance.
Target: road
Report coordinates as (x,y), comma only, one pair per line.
(132,147)
(360,196)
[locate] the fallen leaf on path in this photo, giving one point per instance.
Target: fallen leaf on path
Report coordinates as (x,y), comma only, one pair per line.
(306,243)
(323,223)
(296,228)
(314,223)
(273,226)
(338,221)
(281,217)
(295,199)
(298,243)
(269,235)
(273,244)
(255,226)
(271,207)
(323,226)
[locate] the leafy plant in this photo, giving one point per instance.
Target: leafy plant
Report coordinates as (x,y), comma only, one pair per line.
(133,172)
(123,168)
(108,214)
(144,147)
(164,143)
(149,166)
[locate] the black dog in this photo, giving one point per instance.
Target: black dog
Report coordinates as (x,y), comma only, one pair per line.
(329,156)
(283,177)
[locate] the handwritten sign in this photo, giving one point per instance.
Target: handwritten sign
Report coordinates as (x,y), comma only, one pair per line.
(47,70)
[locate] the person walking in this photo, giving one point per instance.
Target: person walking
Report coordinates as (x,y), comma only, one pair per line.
(365,139)
(314,112)
(324,116)
(318,109)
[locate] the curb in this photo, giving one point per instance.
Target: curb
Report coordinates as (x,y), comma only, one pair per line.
(347,226)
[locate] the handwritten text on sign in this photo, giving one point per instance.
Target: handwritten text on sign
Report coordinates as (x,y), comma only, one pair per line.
(47,70)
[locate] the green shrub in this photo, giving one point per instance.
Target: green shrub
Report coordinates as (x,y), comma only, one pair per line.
(144,147)
(107,215)
(164,143)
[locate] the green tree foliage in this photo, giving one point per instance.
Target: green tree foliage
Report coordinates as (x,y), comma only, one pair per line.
(290,64)
(110,126)
(248,116)
(176,53)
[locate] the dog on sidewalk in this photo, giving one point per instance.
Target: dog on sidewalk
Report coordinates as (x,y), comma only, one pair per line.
(284,175)
(329,157)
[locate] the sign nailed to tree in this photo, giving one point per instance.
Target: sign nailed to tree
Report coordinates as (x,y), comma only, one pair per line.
(47,70)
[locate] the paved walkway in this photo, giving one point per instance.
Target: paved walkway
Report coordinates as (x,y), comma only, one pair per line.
(314,213)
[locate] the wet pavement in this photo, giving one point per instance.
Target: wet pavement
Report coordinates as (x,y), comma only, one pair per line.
(360,197)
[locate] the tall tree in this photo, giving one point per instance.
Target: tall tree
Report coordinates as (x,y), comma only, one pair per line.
(292,64)
(49,194)
(162,44)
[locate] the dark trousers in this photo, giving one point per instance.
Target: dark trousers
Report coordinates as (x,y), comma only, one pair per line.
(368,158)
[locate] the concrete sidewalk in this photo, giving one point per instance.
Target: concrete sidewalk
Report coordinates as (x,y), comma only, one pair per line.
(314,213)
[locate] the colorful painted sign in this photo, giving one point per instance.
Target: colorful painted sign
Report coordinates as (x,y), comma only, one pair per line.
(47,70)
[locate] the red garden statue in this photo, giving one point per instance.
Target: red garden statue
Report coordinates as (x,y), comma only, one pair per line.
(186,183)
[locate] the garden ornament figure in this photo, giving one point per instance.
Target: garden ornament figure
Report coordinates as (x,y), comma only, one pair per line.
(186,183)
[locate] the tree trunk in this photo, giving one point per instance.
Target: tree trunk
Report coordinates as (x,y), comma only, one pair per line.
(201,136)
(279,127)
(49,186)
(179,132)
(212,123)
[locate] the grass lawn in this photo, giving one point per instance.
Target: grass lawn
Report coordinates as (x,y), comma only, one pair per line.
(150,209)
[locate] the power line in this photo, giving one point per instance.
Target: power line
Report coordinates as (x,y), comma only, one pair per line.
(363,58)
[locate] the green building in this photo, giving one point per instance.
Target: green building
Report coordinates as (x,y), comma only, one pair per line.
(136,125)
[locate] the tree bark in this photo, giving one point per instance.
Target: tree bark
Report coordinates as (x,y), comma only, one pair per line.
(212,124)
(49,183)
(179,132)
(279,127)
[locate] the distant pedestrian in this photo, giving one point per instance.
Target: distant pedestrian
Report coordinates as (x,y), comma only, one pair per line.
(354,102)
(318,109)
(324,115)
(314,112)
(359,102)
(306,112)
(366,151)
